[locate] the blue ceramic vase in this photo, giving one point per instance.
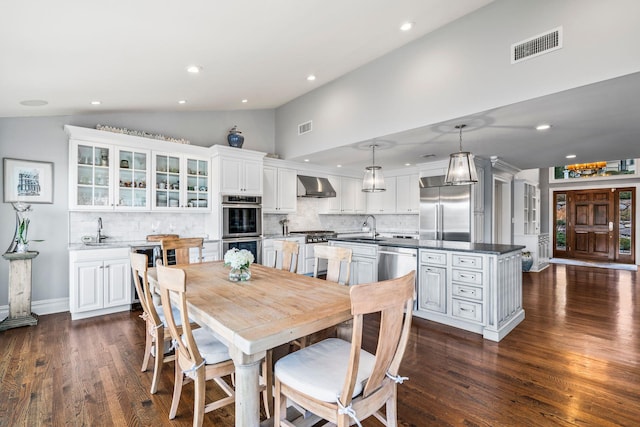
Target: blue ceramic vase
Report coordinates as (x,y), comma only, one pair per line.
(235,139)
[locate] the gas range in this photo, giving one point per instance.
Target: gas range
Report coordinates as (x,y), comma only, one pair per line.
(316,236)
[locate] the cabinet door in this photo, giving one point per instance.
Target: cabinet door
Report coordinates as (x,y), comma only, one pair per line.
(268,253)
(133,173)
(432,289)
(270,189)
(287,190)
(385,201)
(196,189)
(88,281)
(407,194)
(166,181)
(231,175)
(334,203)
(117,282)
(90,180)
(364,270)
(360,197)
(252,179)
(348,195)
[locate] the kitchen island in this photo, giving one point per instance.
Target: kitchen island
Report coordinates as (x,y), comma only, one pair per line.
(472,286)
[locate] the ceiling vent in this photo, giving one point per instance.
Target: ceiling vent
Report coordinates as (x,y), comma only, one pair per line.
(305,127)
(536,45)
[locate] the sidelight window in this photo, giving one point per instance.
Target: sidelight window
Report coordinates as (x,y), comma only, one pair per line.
(625,219)
(561,221)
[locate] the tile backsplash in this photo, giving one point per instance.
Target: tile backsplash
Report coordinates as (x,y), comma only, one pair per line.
(135,226)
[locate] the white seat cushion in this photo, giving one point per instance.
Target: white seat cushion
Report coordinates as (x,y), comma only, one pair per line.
(320,369)
(211,349)
(176,315)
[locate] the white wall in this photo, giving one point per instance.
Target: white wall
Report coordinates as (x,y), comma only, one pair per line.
(464,68)
(43,138)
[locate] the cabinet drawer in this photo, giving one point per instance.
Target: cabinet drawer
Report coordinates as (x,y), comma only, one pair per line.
(467,261)
(466,276)
(469,292)
(437,258)
(467,310)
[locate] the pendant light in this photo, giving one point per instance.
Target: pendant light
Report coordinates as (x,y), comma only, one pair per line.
(462,169)
(373,181)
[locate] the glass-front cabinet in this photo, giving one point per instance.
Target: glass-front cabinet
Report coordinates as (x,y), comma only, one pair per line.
(180,182)
(133,177)
(91,176)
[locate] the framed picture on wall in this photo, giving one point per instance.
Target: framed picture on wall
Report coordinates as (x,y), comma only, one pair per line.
(28,181)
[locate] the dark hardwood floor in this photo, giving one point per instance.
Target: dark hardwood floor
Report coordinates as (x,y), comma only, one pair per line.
(575,360)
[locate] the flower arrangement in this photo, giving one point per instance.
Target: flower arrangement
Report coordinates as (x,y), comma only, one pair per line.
(239,260)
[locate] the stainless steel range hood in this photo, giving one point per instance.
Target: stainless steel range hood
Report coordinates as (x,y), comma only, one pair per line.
(313,186)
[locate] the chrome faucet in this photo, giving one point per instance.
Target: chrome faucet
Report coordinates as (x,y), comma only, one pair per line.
(100,237)
(373,229)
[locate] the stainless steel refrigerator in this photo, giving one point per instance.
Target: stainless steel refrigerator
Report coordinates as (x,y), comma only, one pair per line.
(445,210)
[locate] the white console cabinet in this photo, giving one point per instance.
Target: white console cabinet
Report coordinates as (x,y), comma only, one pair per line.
(100,282)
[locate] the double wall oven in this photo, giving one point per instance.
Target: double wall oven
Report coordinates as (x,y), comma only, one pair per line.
(242,224)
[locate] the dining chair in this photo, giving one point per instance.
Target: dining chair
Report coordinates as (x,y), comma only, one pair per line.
(336,257)
(200,355)
(287,252)
(181,247)
(158,336)
(339,381)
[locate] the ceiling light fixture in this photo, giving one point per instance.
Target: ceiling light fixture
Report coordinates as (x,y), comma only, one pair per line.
(182,101)
(244,101)
(373,181)
(461,169)
(406,26)
(194,69)
(570,156)
(311,77)
(34,102)
(544,126)
(96,102)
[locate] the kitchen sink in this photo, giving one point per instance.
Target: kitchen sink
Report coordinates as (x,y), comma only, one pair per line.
(102,244)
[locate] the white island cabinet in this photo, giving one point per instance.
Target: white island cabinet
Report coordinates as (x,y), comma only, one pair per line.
(100,282)
(364,262)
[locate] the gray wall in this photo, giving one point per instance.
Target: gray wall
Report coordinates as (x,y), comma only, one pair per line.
(43,139)
(464,68)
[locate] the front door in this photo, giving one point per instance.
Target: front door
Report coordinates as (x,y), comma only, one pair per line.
(596,224)
(591,219)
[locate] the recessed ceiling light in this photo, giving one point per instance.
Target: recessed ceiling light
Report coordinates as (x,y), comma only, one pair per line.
(306,160)
(338,166)
(194,69)
(570,156)
(406,26)
(34,102)
(96,102)
(244,101)
(182,101)
(544,126)
(407,164)
(311,77)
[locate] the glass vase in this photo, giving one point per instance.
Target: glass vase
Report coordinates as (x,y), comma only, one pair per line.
(241,274)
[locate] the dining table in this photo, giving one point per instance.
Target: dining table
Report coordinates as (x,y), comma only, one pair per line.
(272,308)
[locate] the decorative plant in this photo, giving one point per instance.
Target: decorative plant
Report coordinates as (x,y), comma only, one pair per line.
(526,254)
(238,258)
(23,228)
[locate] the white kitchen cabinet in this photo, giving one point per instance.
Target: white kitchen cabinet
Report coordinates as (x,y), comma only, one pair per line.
(279,190)
(210,252)
(364,262)
(432,288)
(526,223)
(383,202)
(240,176)
(91,176)
(133,173)
(349,196)
(407,194)
(100,282)
(180,182)
(269,252)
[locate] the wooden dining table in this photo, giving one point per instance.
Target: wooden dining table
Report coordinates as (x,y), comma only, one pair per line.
(271,309)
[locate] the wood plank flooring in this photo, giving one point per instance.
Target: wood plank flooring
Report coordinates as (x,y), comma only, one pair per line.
(575,360)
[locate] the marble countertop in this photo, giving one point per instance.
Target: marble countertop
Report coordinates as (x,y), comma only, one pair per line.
(119,244)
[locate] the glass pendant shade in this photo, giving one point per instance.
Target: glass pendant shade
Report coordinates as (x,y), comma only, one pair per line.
(462,169)
(373,181)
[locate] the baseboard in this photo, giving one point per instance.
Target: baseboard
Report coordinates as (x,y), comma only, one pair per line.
(47,306)
(612,265)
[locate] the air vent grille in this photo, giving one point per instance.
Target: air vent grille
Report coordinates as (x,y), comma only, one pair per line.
(305,127)
(536,45)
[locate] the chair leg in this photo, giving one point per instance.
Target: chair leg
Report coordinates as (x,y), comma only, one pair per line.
(267,374)
(280,407)
(199,387)
(177,390)
(147,348)
(158,360)
(392,411)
